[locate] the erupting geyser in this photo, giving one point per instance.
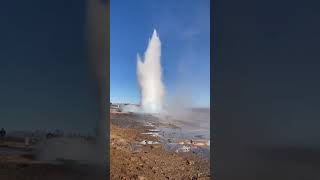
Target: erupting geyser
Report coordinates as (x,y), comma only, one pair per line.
(150,77)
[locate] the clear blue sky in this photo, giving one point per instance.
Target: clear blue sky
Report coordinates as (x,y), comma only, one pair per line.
(184,31)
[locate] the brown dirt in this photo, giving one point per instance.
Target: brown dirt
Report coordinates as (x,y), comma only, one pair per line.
(152,161)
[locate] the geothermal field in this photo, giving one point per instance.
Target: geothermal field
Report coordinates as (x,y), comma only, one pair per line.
(154,140)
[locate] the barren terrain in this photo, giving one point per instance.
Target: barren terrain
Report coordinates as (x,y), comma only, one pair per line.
(130,160)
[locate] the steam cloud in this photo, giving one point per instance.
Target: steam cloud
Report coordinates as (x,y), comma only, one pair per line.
(149,75)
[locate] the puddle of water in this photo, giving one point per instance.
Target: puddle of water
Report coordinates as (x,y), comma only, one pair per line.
(153,134)
(178,148)
(154,130)
(148,124)
(148,142)
(183,149)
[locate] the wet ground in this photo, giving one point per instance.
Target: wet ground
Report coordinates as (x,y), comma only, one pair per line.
(176,135)
(142,147)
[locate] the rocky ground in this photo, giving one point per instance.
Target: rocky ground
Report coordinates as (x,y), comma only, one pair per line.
(129,160)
